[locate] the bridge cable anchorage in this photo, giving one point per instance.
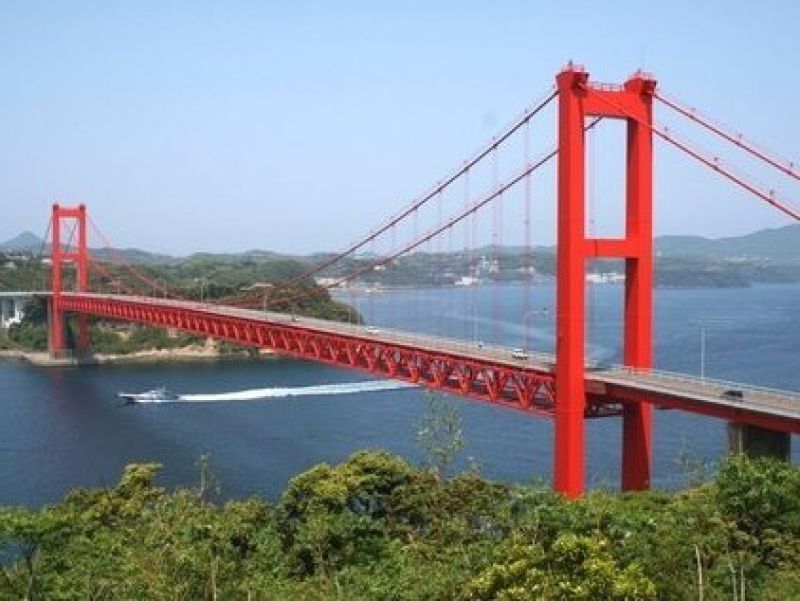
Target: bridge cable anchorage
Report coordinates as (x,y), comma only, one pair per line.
(155,286)
(468,212)
(715,164)
(783,165)
(506,133)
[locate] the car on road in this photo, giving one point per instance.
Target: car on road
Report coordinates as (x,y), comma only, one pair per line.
(733,395)
(519,353)
(372,330)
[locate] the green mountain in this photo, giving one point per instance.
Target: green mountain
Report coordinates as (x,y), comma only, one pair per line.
(131,255)
(776,245)
(26,241)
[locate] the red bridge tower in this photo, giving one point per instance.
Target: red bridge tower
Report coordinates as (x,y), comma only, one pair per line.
(61,256)
(579,99)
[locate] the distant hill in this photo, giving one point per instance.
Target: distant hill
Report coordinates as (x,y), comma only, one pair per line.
(26,241)
(777,245)
(254,256)
(132,255)
(30,242)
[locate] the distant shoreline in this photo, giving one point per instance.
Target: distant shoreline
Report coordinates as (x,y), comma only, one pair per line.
(181,355)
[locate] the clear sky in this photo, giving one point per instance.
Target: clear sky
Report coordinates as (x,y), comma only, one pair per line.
(295,126)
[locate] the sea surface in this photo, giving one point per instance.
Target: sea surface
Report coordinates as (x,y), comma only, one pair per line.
(264,421)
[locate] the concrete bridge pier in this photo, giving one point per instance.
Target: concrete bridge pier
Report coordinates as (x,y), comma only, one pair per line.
(758,442)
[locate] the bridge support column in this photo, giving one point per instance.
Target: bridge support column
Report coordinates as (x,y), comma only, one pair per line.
(55,316)
(758,442)
(638,343)
(579,99)
(79,257)
(82,265)
(569,460)
(55,329)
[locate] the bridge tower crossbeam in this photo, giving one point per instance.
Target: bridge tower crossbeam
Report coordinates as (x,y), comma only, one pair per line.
(580,99)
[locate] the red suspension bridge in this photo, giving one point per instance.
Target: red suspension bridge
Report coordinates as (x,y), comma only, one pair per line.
(557,386)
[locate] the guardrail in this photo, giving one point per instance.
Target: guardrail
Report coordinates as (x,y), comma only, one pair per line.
(715,383)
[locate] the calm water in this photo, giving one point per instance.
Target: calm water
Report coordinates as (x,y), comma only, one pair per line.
(61,428)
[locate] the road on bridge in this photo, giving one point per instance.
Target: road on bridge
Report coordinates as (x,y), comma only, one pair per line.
(774,409)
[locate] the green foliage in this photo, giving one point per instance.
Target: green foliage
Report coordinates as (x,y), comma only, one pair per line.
(31,334)
(123,340)
(373,527)
(761,501)
(440,433)
(226,279)
(28,336)
(574,567)
(22,274)
(329,514)
(35,312)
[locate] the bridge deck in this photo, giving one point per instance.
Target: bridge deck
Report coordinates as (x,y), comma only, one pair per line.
(480,370)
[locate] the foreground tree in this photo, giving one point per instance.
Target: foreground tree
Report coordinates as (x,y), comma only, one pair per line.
(374,527)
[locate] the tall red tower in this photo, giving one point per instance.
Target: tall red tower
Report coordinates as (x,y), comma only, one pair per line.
(61,256)
(579,99)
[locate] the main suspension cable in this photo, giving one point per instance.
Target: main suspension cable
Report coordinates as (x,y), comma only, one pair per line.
(466,212)
(112,279)
(121,261)
(39,256)
(714,163)
(471,210)
(526,116)
(785,166)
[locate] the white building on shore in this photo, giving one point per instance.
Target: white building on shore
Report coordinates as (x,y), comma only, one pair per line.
(12,307)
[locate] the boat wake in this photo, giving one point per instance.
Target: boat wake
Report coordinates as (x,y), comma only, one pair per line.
(256,394)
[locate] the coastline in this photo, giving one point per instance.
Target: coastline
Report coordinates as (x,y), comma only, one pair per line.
(176,355)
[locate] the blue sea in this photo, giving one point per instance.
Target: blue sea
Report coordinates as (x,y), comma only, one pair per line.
(263,421)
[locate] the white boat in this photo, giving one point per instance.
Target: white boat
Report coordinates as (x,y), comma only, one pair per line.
(157,394)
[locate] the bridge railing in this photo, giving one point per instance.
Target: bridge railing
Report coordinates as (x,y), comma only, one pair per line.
(533,358)
(712,383)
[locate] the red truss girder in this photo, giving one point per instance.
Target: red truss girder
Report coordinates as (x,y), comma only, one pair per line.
(518,388)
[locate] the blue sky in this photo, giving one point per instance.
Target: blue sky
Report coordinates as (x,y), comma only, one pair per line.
(295,126)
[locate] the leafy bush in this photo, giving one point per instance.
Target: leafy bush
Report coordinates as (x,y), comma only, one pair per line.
(28,336)
(374,527)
